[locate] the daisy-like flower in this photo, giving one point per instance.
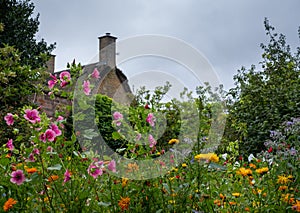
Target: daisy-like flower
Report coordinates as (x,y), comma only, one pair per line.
(236,194)
(209,157)
(31,170)
(32,116)
(9,204)
(9,119)
(262,170)
(282,179)
(124,203)
(53,178)
(17,177)
(296,206)
(244,172)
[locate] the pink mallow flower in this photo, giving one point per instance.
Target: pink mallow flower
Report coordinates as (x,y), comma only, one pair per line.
(55,128)
(96,74)
(151,119)
(10,145)
(67,176)
(32,116)
(86,87)
(52,82)
(9,118)
(48,135)
(118,117)
(65,78)
(17,177)
(112,166)
(152,141)
(94,170)
(60,118)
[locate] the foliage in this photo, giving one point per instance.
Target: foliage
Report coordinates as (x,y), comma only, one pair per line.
(18,83)
(263,99)
(19,30)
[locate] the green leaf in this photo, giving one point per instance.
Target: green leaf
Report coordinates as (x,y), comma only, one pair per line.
(55,167)
(116,136)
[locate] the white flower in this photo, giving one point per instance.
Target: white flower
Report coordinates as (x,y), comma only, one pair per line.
(251,157)
(224,156)
(236,165)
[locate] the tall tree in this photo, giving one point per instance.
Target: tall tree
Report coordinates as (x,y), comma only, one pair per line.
(19,30)
(264,99)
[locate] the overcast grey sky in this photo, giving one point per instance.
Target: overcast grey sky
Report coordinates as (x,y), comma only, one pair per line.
(228,33)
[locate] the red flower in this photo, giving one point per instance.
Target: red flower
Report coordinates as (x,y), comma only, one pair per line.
(270,149)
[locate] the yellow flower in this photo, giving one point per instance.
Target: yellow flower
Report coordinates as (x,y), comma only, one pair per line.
(9,204)
(209,156)
(124,182)
(244,172)
(124,203)
(184,165)
(174,169)
(262,170)
(282,179)
(236,194)
(173,141)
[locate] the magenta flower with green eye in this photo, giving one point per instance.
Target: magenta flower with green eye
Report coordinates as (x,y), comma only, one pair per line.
(95,74)
(112,166)
(151,119)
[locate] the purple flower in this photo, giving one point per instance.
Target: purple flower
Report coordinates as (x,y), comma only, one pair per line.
(9,118)
(293,151)
(152,141)
(10,145)
(55,128)
(138,136)
(96,74)
(67,176)
(86,87)
(17,177)
(32,116)
(151,119)
(112,166)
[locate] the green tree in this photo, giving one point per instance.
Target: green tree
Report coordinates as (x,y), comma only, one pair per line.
(264,99)
(19,30)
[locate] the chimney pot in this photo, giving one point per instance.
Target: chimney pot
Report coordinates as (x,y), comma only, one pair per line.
(107,50)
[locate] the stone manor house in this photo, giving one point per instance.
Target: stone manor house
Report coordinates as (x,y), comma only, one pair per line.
(114,83)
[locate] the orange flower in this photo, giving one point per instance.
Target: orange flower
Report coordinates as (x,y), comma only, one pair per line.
(262,170)
(9,204)
(296,206)
(132,167)
(282,179)
(31,170)
(53,178)
(244,172)
(282,188)
(124,203)
(124,182)
(253,166)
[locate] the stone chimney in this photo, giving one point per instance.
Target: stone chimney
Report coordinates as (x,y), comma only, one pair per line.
(107,50)
(51,64)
